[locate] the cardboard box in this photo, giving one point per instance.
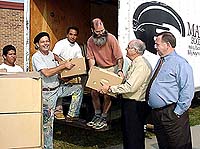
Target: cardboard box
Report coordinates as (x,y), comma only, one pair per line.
(21,130)
(78,69)
(20,110)
(20,92)
(98,75)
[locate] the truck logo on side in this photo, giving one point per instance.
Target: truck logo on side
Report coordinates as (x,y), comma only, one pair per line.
(150,17)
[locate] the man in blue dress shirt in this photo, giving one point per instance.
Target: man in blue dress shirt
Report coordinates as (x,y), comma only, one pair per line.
(170,96)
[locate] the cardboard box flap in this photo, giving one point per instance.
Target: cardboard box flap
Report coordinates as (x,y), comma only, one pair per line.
(33,75)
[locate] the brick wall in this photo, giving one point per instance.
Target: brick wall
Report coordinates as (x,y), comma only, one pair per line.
(12,31)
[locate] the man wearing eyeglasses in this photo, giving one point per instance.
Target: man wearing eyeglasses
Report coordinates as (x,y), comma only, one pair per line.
(102,51)
(133,89)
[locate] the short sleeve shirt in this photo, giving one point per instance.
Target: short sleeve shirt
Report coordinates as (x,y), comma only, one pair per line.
(8,68)
(106,55)
(41,61)
(66,50)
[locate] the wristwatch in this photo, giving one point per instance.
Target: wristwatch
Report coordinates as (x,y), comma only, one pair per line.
(109,90)
(119,70)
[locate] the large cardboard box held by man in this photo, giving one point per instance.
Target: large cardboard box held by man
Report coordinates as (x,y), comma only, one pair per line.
(78,69)
(20,110)
(98,75)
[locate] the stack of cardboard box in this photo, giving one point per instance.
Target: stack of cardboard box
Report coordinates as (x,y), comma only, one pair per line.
(20,111)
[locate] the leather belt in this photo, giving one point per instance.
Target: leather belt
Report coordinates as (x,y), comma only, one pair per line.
(49,89)
(161,108)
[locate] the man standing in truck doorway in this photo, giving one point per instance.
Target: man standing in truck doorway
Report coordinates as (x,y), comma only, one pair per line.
(66,49)
(102,51)
(44,62)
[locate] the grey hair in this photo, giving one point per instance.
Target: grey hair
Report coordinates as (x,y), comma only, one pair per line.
(138,45)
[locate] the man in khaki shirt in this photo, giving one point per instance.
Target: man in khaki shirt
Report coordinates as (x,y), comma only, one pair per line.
(133,88)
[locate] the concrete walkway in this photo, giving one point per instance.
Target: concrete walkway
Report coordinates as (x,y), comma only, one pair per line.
(152,143)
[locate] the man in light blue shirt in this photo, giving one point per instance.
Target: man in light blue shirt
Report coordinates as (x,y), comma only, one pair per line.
(170,96)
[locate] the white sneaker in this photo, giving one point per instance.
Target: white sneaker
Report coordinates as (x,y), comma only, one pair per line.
(94,120)
(102,123)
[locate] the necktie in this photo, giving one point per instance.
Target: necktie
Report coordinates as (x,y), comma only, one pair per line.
(153,78)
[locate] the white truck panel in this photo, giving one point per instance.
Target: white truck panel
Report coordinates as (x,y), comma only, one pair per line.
(181,17)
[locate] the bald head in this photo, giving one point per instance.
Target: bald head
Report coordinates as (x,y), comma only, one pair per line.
(97,24)
(138,45)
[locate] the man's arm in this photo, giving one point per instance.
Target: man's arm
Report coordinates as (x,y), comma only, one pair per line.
(186,83)
(47,72)
(132,84)
(57,58)
(120,63)
(91,62)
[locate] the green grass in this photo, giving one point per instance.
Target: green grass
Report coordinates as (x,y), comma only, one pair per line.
(68,137)
(78,138)
(194,113)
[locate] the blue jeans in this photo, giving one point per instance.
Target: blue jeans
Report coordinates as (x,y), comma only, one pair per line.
(49,104)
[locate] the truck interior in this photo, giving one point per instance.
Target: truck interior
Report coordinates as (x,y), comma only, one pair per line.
(55,16)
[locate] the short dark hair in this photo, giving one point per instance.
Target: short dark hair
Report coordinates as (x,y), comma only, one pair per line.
(168,37)
(8,48)
(39,36)
(74,28)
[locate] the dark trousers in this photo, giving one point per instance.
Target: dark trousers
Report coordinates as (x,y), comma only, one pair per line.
(133,120)
(171,132)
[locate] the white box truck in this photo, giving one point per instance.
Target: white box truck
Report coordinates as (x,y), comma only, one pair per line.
(127,19)
(143,19)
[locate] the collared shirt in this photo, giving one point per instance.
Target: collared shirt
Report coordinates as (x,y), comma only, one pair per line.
(136,80)
(173,84)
